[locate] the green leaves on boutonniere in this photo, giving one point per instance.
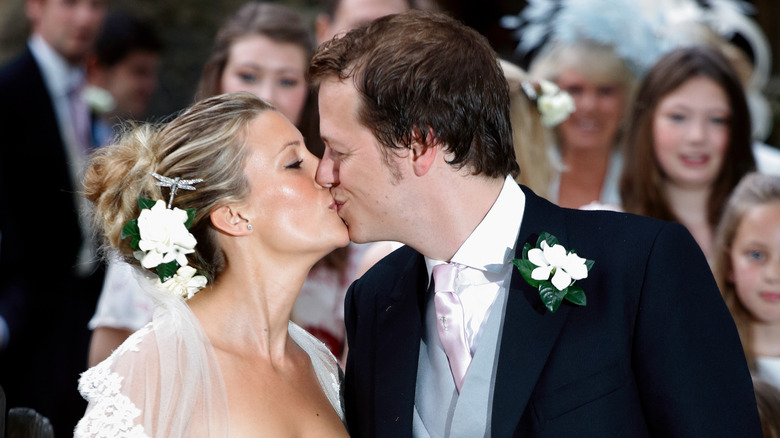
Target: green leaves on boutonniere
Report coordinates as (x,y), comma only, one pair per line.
(552,269)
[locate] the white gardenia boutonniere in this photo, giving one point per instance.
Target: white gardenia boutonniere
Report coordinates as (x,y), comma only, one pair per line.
(552,269)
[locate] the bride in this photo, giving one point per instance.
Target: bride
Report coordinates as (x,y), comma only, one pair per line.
(220,201)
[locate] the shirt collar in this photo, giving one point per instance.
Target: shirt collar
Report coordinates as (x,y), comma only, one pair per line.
(492,244)
(60,76)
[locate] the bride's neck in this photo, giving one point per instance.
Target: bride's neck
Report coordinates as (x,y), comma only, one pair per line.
(248,308)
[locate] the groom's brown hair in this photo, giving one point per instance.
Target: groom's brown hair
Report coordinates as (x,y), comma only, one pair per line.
(420,73)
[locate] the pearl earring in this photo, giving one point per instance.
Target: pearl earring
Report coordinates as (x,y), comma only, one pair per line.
(249,227)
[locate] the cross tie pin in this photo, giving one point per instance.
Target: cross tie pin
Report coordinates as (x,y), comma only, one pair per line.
(175,184)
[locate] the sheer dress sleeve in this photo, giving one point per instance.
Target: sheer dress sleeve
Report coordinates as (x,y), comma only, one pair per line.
(163,381)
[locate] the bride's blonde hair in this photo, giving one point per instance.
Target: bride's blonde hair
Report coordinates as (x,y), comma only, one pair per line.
(205,141)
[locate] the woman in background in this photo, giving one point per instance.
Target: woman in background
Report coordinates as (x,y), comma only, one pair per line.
(590,140)
(265,48)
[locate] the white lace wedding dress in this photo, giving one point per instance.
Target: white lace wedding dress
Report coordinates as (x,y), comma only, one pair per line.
(165,381)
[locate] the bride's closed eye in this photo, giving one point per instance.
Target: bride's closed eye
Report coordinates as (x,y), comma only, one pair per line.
(294,165)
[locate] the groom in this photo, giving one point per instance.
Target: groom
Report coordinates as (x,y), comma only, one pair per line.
(446,337)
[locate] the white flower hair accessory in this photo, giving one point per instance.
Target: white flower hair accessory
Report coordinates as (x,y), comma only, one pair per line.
(552,269)
(554,104)
(162,241)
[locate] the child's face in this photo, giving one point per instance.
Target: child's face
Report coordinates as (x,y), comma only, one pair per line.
(691,133)
(755,262)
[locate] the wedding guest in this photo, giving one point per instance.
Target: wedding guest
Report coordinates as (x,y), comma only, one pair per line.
(588,55)
(49,278)
(688,142)
(419,151)
(590,141)
(123,71)
(230,252)
(125,65)
(729,27)
(264,48)
(747,268)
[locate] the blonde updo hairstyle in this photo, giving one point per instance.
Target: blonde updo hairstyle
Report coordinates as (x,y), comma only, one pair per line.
(205,141)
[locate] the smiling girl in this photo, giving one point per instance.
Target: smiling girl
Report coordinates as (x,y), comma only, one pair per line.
(688,142)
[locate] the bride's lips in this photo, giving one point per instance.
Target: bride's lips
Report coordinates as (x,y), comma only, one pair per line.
(336,205)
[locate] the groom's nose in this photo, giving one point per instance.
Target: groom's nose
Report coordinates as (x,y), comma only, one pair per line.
(327,171)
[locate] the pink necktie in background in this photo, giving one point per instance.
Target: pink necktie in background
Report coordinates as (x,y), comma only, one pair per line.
(450,320)
(79,115)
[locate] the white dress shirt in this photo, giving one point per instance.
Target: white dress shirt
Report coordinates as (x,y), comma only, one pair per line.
(486,255)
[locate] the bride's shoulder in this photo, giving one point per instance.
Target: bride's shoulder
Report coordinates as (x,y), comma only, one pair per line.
(141,343)
(106,387)
(136,347)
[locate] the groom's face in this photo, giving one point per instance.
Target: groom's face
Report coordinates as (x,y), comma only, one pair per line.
(368,193)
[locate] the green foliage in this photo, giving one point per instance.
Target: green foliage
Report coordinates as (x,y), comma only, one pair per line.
(130,229)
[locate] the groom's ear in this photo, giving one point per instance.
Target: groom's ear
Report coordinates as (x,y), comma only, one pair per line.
(423,151)
(229,220)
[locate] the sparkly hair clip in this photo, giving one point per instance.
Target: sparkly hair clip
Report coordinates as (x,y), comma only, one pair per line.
(162,241)
(175,184)
(553,104)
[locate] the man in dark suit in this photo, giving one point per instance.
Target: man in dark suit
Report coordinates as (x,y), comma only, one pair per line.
(49,278)
(446,337)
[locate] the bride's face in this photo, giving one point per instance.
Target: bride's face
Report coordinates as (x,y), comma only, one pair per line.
(290,212)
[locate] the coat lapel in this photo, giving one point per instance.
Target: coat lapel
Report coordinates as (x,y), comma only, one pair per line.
(399,325)
(530,330)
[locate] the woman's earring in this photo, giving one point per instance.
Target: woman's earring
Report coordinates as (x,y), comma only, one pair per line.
(249,227)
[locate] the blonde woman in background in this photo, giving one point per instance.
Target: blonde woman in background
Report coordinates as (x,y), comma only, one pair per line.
(590,141)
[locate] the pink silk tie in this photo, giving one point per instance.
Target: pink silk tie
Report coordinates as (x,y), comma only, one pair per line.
(450,320)
(79,114)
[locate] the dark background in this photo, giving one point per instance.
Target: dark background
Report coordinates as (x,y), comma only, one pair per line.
(188,28)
